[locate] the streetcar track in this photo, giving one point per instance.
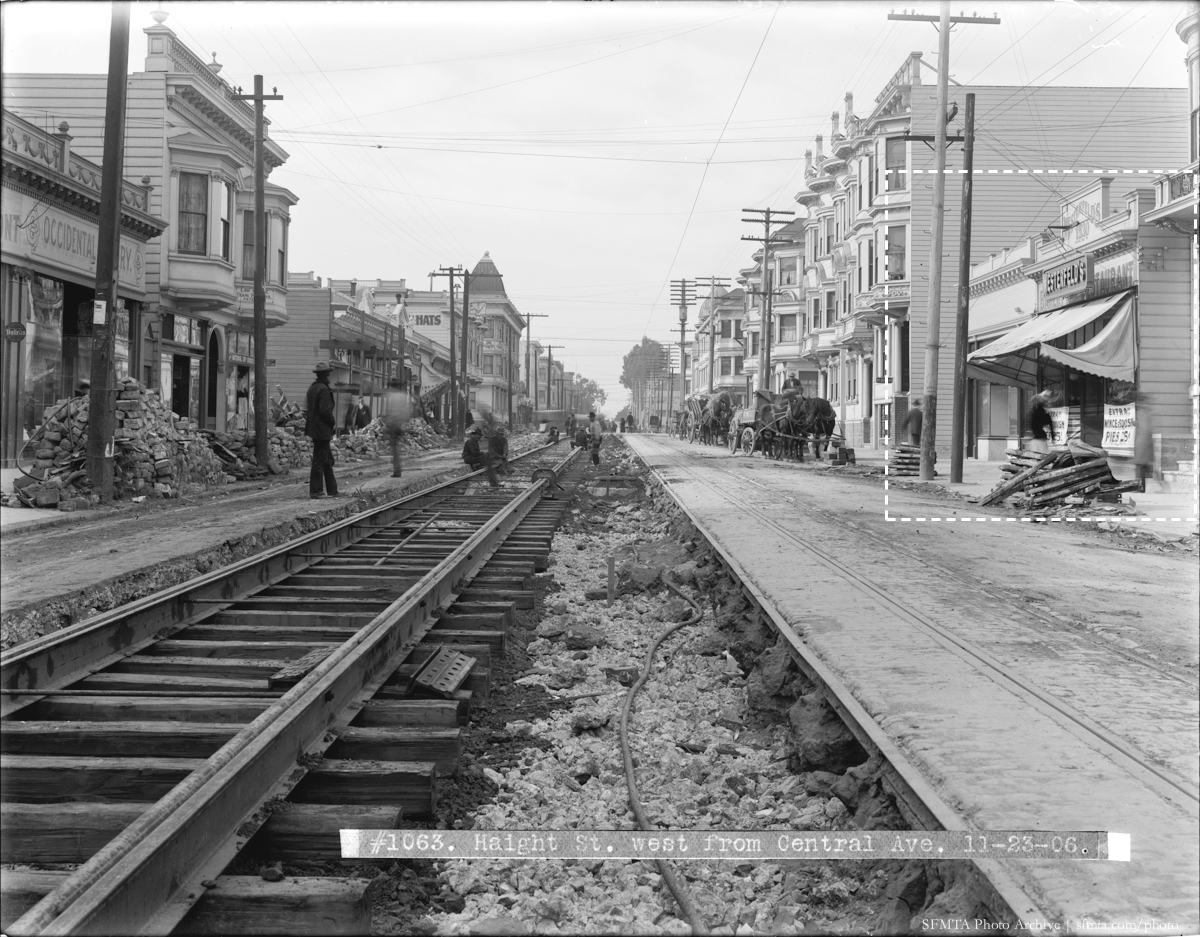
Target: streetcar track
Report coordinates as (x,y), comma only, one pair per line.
(433,560)
(1130,755)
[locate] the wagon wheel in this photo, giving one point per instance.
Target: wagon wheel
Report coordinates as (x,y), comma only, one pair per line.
(732,441)
(693,431)
(747,440)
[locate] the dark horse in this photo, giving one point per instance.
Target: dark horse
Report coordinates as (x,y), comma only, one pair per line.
(814,417)
(715,420)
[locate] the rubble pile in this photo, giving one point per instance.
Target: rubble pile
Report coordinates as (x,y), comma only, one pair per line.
(157,453)
(1076,475)
(904,459)
(287,448)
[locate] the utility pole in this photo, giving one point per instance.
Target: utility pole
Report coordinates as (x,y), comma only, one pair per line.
(102,397)
(460,431)
(958,419)
(933,334)
(455,416)
(401,315)
(549,373)
(683,294)
(713,283)
(530,378)
(767,240)
(261,442)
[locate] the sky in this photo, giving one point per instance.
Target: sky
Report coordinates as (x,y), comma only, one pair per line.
(597,151)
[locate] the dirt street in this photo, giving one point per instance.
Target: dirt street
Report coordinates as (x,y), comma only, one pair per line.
(40,566)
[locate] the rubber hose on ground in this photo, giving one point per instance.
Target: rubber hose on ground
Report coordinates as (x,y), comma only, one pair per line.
(682,898)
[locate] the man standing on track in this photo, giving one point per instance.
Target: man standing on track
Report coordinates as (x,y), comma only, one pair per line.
(397,410)
(319,425)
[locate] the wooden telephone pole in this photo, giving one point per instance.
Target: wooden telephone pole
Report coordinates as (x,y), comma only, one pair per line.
(456,417)
(102,397)
(933,335)
(530,377)
(683,294)
(713,283)
(767,240)
(261,422)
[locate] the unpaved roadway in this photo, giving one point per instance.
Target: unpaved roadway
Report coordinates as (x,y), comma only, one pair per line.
(40,566)
(1037,677)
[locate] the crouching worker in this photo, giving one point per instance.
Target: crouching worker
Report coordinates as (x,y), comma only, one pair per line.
(475,456)
(553,435)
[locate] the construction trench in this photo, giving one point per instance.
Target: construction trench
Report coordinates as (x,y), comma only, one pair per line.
(727,734)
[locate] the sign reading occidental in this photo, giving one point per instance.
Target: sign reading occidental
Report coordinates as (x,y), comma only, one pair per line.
(36,233)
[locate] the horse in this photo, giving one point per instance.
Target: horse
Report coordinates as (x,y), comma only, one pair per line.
(814,416)
(715,419)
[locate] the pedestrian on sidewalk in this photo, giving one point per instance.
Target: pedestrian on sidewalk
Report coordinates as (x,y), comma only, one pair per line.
(397,410)
(622,426)
(595,434)
(358,416)
(1041,426)
(912,423)
(319,424)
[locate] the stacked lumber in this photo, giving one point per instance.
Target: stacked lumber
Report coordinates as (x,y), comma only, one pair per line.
(1078,474)
(905,459)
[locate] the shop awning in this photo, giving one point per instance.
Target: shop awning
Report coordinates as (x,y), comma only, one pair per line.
(1012,358)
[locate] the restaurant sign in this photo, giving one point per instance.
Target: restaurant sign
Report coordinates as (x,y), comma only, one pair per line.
(35,233)
(1119,425)
(1066,283)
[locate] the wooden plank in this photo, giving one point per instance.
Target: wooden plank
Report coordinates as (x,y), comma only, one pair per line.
(112,739)
(494,639)
(142,709)
(45,779)
(49,833)
(478,681)
(273,626)
(246,904)
(310,831)
(225,667)
(260,650)
(460,622)
(408,712)
(21,889)
(499,582)
(519,597)
(504,609)
(442,746)
(283,603)
(1008,487)
(175,683)
(410,785)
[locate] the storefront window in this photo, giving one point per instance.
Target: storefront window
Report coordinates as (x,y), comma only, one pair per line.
(239,395)
(43,348)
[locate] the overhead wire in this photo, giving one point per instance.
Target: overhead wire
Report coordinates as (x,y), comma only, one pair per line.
(704,175)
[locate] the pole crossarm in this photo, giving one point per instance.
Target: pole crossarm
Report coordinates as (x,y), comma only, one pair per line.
(954,20)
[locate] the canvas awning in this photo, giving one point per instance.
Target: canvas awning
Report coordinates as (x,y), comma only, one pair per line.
(1012,358)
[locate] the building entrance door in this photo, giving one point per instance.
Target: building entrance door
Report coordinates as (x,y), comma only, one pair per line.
(185,387)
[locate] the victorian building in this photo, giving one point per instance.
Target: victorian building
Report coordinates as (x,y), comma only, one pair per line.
(191,139)
(500,328)
(870,203)
(721,346)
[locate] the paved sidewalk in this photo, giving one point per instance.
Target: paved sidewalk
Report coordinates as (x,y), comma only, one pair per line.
(935,628)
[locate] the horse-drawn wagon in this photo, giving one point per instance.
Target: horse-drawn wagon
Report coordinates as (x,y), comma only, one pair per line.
(708,417)
(783,425)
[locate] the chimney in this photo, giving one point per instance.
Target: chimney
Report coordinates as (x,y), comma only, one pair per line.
(914,67)
(64,140)
(353,288)
(820,155)
(849,104)
(835,127)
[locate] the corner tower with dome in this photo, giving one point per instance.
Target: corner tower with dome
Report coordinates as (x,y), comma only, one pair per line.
(500,326)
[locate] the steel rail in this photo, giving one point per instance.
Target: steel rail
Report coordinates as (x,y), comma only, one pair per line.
(55,660)
(920,803)
(121,888)
(1162,781)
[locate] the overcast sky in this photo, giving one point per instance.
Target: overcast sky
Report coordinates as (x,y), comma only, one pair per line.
(596,150)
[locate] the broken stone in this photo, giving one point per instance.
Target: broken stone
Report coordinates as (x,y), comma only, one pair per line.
(589,719)
(820,736)
(499,927)
(580,636)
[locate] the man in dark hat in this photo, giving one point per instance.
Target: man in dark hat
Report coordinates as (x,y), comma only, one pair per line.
(477,458)
(319,426)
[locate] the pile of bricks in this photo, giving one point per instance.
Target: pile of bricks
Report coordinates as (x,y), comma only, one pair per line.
(157,454)
(287,448)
